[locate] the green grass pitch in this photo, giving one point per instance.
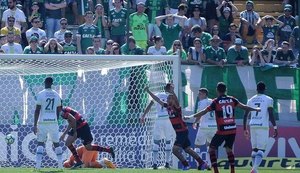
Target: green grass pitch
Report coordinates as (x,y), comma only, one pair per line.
(94,170)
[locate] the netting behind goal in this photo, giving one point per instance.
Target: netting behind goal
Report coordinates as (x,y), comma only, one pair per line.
(108,91)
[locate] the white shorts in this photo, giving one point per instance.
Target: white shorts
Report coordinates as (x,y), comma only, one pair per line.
(45,130)
(204,135)
(259,137)
(163,129)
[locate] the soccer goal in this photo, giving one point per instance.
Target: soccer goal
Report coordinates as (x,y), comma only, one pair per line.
(107,90)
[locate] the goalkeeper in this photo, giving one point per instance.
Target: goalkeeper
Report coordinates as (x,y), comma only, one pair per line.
(89,159)
(79,128)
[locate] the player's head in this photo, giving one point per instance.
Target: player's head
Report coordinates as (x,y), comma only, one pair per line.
(169,87)
(221,88)
(203,92)
(48,82)
(261,87)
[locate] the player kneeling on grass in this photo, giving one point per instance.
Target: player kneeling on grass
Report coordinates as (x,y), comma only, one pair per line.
(79,128)
(89,159)
(182,139)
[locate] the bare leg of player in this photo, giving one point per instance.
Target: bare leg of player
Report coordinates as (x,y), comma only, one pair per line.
(95,147)
(230,157)
(69,144)
(201,163)
(177,152)
(213,158)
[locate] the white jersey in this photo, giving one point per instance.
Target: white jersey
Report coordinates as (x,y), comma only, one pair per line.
(17,14)
(153,51)
(161,111)
(208,120)
(49,101)
(260,119)
(14,48)
(35,31)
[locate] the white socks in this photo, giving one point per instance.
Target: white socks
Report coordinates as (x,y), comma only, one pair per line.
(39,156)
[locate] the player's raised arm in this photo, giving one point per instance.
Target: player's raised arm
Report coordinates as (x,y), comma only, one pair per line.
(198,114)
(272,119)
(155,97)
(147,110)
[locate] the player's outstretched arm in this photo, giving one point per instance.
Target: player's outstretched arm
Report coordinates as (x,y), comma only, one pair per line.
(155,97)
(198,114)
(247,108)
(147,110)
(272,119)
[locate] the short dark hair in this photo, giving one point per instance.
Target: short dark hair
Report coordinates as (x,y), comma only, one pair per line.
(196,28)
(261,86)
(204,90)
(49,80)
(286,43)
(221,87)
(168,86)
(182,6)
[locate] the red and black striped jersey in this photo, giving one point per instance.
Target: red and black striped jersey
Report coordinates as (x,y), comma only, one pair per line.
(175,115)
(224,107)
(80,121)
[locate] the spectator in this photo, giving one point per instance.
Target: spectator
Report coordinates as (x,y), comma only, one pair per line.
(74,6)
(169,30)
(20,19)
(90,51)
(117,19)
(256,58)
(53,15)
(3,7)
(182,10)
(173,6)
(196,54)
(211,13)
(42,43)
(33,47)
(177,46)
(35,30)
(60,34)
(238,54)
(268,53)
(3,39)
(138,24)
(130,48)
(11,47)
(97,45)
(230,37)
(215,54)
(249,19)
(115,50)
(289,23)
(155,8)
(158,48)
(195,4)
(2,51)
(53,47)
(68,46)
(285,55)
(108,47)
(86,33)
(225,19)
(35,13)
(198,33)
(294,41)
(101,22)
(196,19)
(269,29)
(215,30)
(10,28)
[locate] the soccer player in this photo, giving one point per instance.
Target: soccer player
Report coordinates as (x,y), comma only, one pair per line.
(259,124)
(79,128)
(89,159)
(162,128)
(207,127)
(182,139)
(46,114)
(224,107)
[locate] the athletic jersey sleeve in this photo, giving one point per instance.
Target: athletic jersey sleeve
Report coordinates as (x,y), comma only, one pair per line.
(212,106)
(39,100)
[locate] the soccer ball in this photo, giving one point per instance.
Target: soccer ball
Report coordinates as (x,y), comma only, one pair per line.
(9,139)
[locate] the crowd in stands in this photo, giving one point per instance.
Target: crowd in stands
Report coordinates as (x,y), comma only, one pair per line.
(202,31)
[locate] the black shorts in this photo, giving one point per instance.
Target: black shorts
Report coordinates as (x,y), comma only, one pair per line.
(217,140)
(182,139)
(84,133)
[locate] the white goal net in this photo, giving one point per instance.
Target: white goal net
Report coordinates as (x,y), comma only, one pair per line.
(107,90)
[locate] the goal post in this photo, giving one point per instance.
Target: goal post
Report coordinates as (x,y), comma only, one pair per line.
(107,90)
